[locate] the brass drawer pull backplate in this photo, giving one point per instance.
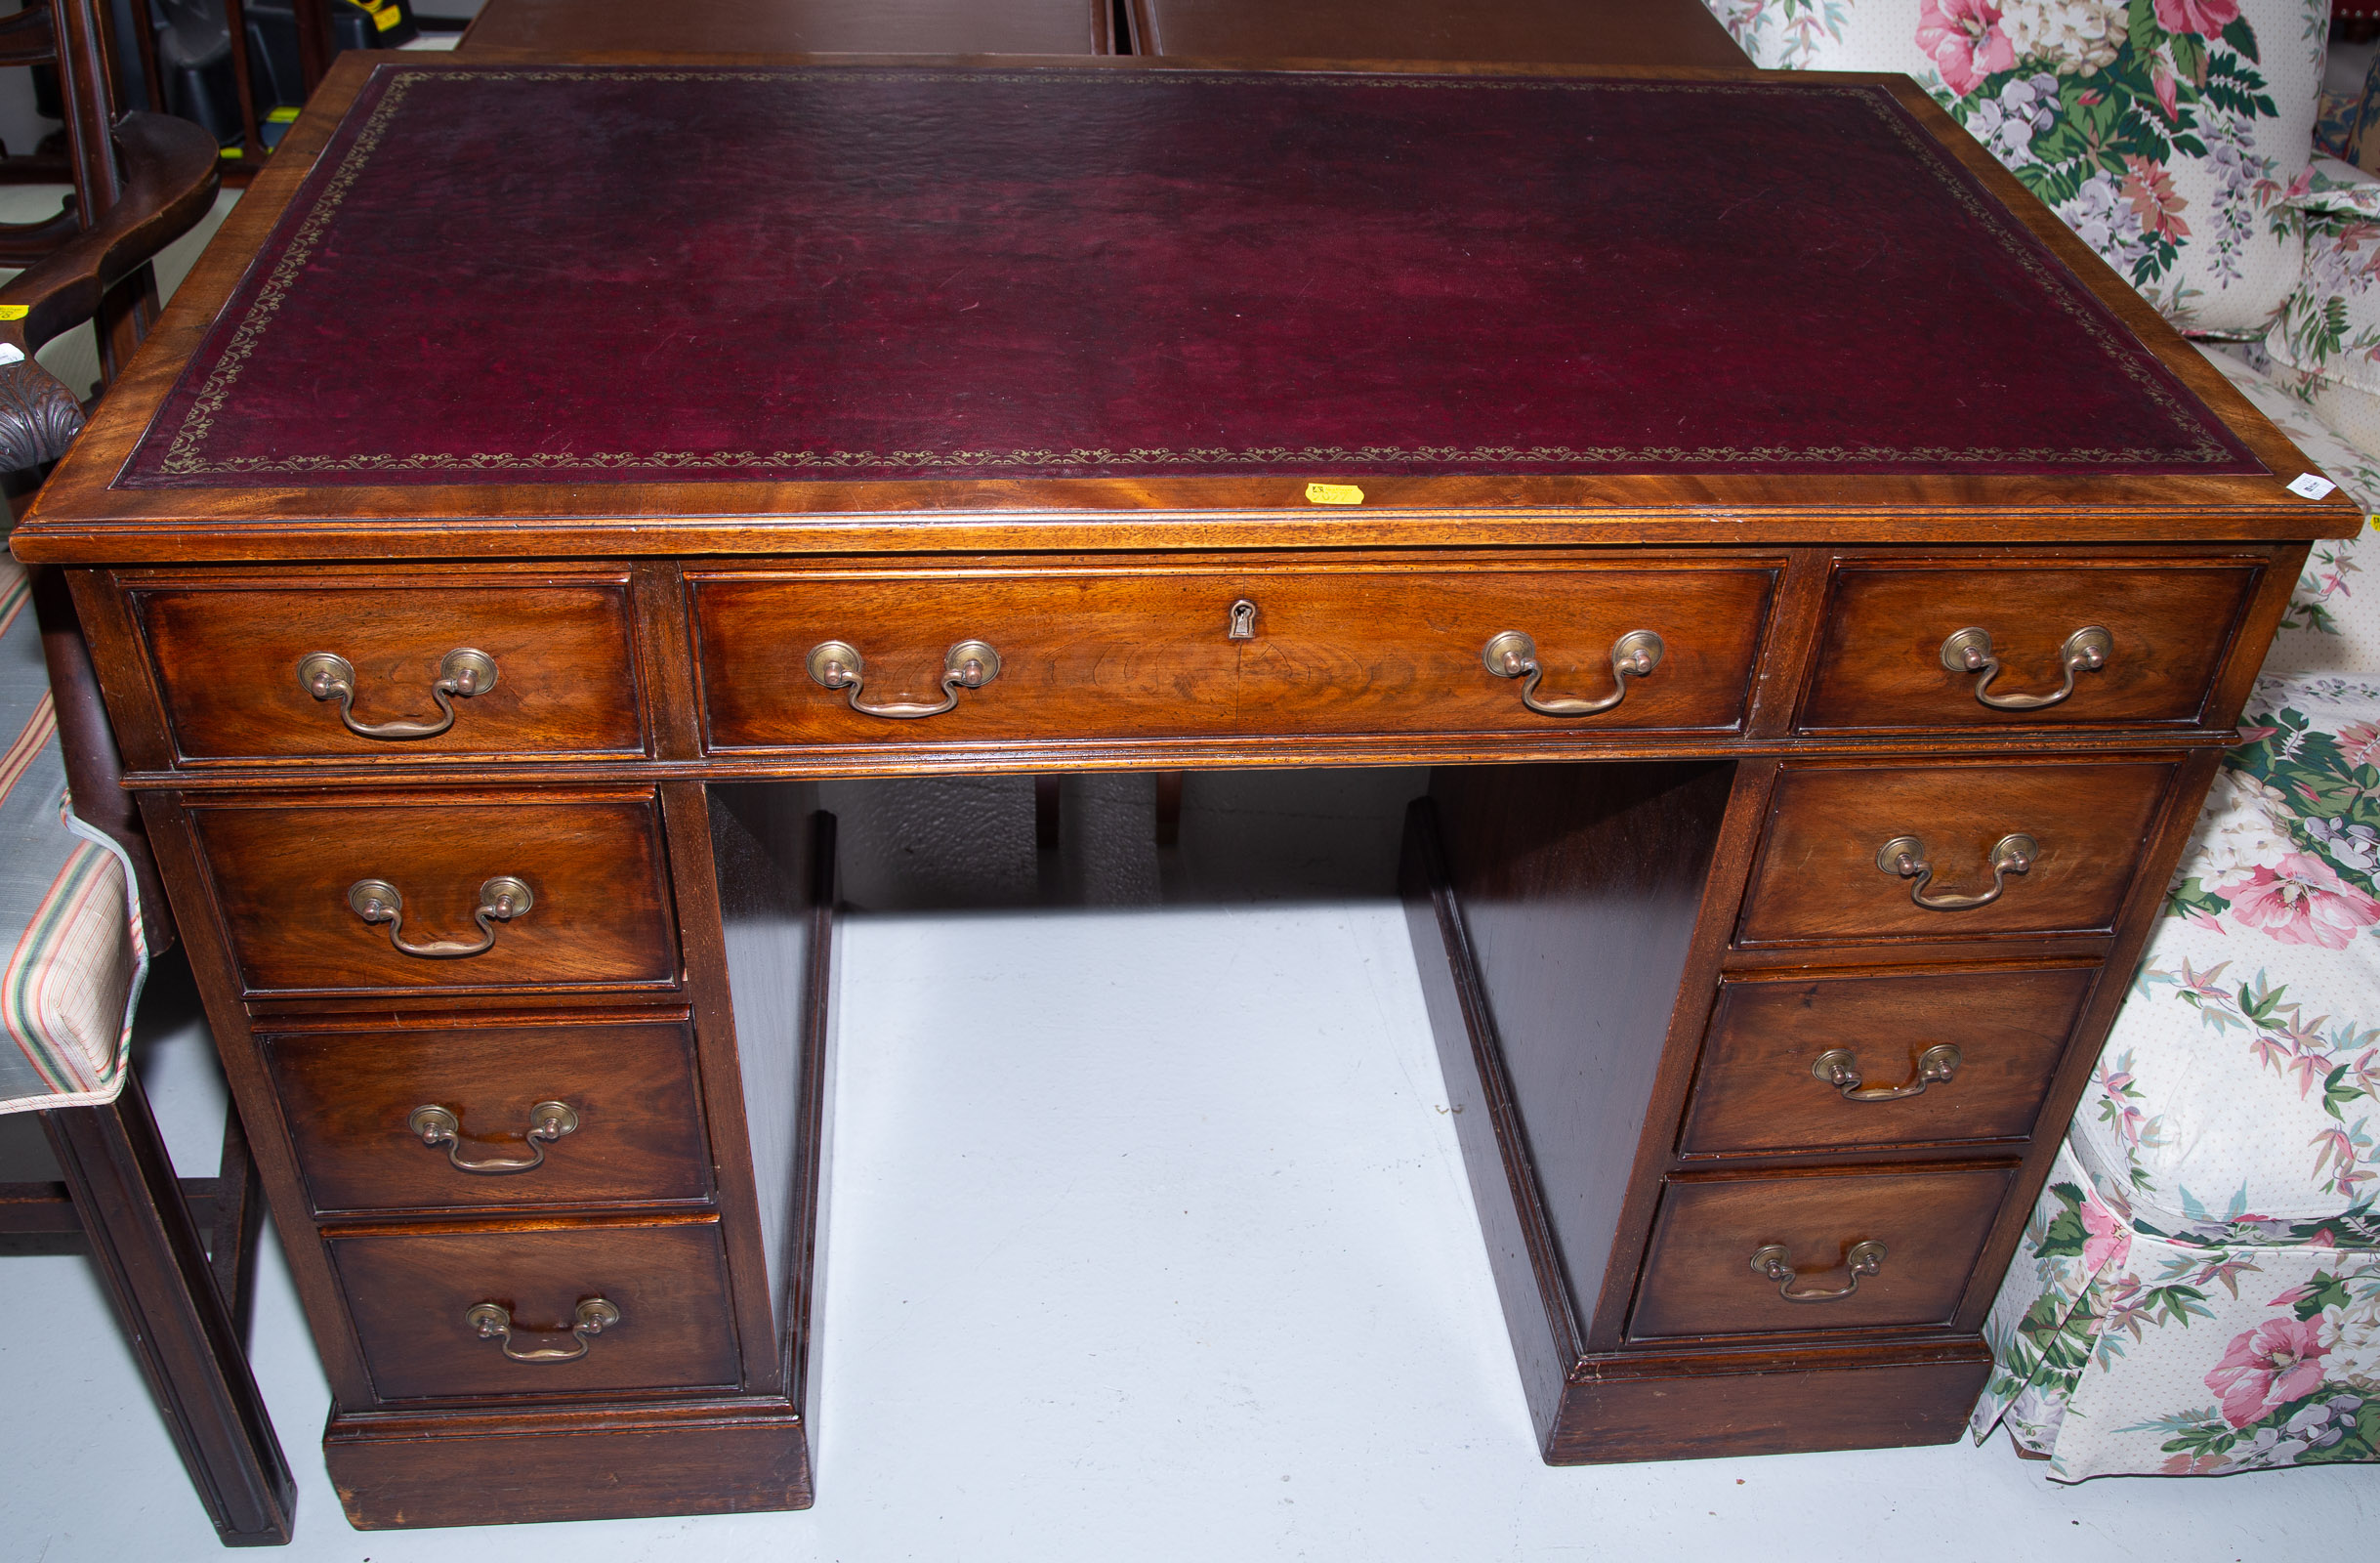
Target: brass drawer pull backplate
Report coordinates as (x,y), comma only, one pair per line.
(461,674)
(494,1321)
(1770,1263)
(501,900)
(1906,856)
(1839,1068)
(438,1126)
(1513,654)
(968,665)
(1969,650)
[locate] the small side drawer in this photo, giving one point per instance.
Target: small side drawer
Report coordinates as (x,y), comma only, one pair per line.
(1272,650)
(1700,1277)
(631,1132)
(285,873)
(410,1294)
(1818,879)
(2168,626)
(1881,1044)
(228,656)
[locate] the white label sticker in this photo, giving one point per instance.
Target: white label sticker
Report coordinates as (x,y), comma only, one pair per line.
(10,352)
(2312,486)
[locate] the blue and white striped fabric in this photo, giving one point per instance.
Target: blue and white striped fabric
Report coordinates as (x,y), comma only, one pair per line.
(69,913)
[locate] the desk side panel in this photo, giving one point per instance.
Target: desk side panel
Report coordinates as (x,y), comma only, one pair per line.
(1578,887)
(763,844)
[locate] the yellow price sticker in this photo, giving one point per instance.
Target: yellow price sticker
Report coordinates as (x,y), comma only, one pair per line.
(15,312)
(1333,493)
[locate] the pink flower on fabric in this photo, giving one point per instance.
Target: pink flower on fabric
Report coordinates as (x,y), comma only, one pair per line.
(2359,742)
(2303,902)
(2109,1234)
(2205,17)
(2149,187)
(2271,1365)
(1964,40)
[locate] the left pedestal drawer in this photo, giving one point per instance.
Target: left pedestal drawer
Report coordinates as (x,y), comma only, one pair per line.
(449,891)
(459,1113)
(403,667)
(560,1310)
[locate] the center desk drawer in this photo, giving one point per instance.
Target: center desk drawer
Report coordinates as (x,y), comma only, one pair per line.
(404,667)
(361,893)
(2000,847)
(414,1295)
(457,1116)
(1379,648)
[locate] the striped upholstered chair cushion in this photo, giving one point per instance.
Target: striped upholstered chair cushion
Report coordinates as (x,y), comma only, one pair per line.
(69,926)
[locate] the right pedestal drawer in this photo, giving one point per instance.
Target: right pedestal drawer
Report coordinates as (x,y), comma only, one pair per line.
(558,1310)
(1949,851)
(1814,1251)
(1819,1063)
(2026,643)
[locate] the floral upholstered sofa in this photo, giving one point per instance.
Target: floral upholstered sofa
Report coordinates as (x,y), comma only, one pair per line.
(2199,1290)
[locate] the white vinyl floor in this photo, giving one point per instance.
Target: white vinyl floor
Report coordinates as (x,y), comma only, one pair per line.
(1149,1240)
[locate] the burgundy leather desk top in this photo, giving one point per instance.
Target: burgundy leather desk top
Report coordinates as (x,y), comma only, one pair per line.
(612,274)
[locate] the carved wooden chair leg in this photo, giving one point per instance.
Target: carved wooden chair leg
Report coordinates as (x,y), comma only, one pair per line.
(1169,808)
(148,1252)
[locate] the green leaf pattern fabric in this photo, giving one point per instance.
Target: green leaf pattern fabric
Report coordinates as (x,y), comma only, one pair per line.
(2198,1287)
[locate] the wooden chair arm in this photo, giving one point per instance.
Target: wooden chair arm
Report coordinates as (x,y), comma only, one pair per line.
(170,178)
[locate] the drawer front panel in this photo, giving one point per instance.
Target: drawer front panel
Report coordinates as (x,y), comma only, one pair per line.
(1700,1278)
(1099,655)
(1760,1085)
(1402,651)
(1818,880)
(227,661)
(632,1131)
(409,1293)
(1881,665)
(1152,654)
(599,914)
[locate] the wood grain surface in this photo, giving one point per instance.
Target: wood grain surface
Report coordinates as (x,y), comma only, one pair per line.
(1699,1278)
(225,655)
(348,1094)
(1880,664)
(1818,882)
(407,1292)
(1756,1091)
(1352,650)
(281,871)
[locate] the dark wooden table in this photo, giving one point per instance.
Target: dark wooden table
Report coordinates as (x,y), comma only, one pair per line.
(1822,588)
(641,27)
(1593,33)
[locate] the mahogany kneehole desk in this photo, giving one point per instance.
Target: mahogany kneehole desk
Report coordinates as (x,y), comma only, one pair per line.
(1822,589)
